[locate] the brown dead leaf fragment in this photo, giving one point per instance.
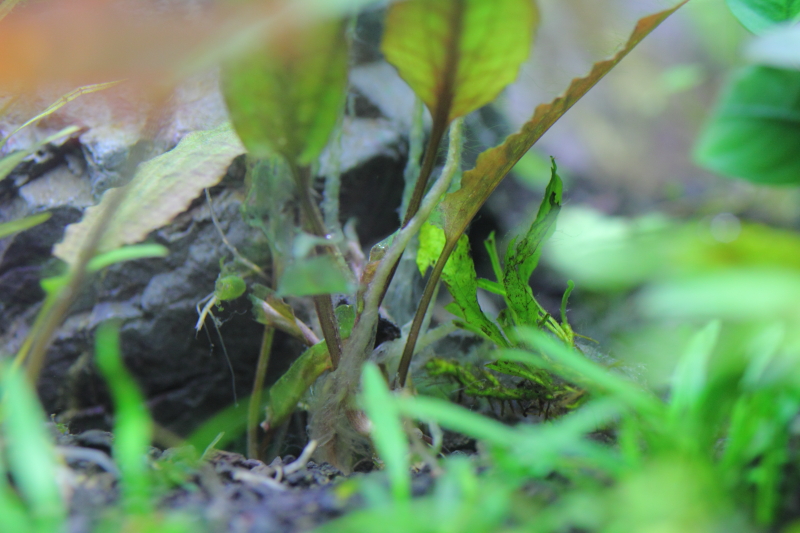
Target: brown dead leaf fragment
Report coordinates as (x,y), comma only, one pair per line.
(492,166)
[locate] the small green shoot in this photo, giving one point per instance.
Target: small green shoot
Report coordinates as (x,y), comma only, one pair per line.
(133,427)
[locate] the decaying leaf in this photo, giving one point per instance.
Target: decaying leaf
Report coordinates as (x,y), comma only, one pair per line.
(477,184)
(161,189)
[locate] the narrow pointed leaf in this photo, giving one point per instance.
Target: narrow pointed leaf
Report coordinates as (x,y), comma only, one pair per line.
(387,430)
(285,96)
(15,226)
(492,166)
(457,55)
(523,256)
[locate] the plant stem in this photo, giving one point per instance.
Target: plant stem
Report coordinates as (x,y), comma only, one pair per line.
(437,132)
(254,408)
(419,316)
(323,302)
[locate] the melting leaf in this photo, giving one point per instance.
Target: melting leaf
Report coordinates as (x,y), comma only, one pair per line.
(161,189)
(477,184)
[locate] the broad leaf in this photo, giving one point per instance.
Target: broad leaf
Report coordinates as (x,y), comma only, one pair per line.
(309,277)
(755,131)
(759,15)
(286,96)
(457,55)
(523,256)
(161,189)
(478,183)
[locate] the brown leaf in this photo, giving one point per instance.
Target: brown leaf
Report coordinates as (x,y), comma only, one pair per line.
(477,184)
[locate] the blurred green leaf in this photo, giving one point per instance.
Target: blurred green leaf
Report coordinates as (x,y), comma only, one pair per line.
(9,162)
(738,294)
(754,132)
(286,96)
(387,430)
(689,380)
(30,452)
(133,427)
(759,15)
(15,226)
(316,275)
(126,253)
(574,366)
(162,188)
(457,55)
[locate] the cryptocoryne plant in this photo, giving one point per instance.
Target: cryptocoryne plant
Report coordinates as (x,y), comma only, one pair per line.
(285,98)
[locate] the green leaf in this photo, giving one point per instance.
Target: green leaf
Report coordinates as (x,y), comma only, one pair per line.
(313,276)
(133,427)
(460,207)
(30,453)
(161,189)
(387,430)
(462,282)
(229,287)
(292,385)
(523,256)
(759,15)
(754,133)
(689,380)
(286,95)
(10,162)
(15,226)
(457,55)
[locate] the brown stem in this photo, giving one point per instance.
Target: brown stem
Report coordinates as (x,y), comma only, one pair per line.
(323,302)
(419,317)
(437,132)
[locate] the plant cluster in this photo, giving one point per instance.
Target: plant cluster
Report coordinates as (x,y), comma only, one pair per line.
(712,452)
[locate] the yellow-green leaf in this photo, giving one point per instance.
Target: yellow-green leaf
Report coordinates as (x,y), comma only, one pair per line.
(161,189)
(457,55)
(286,95)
